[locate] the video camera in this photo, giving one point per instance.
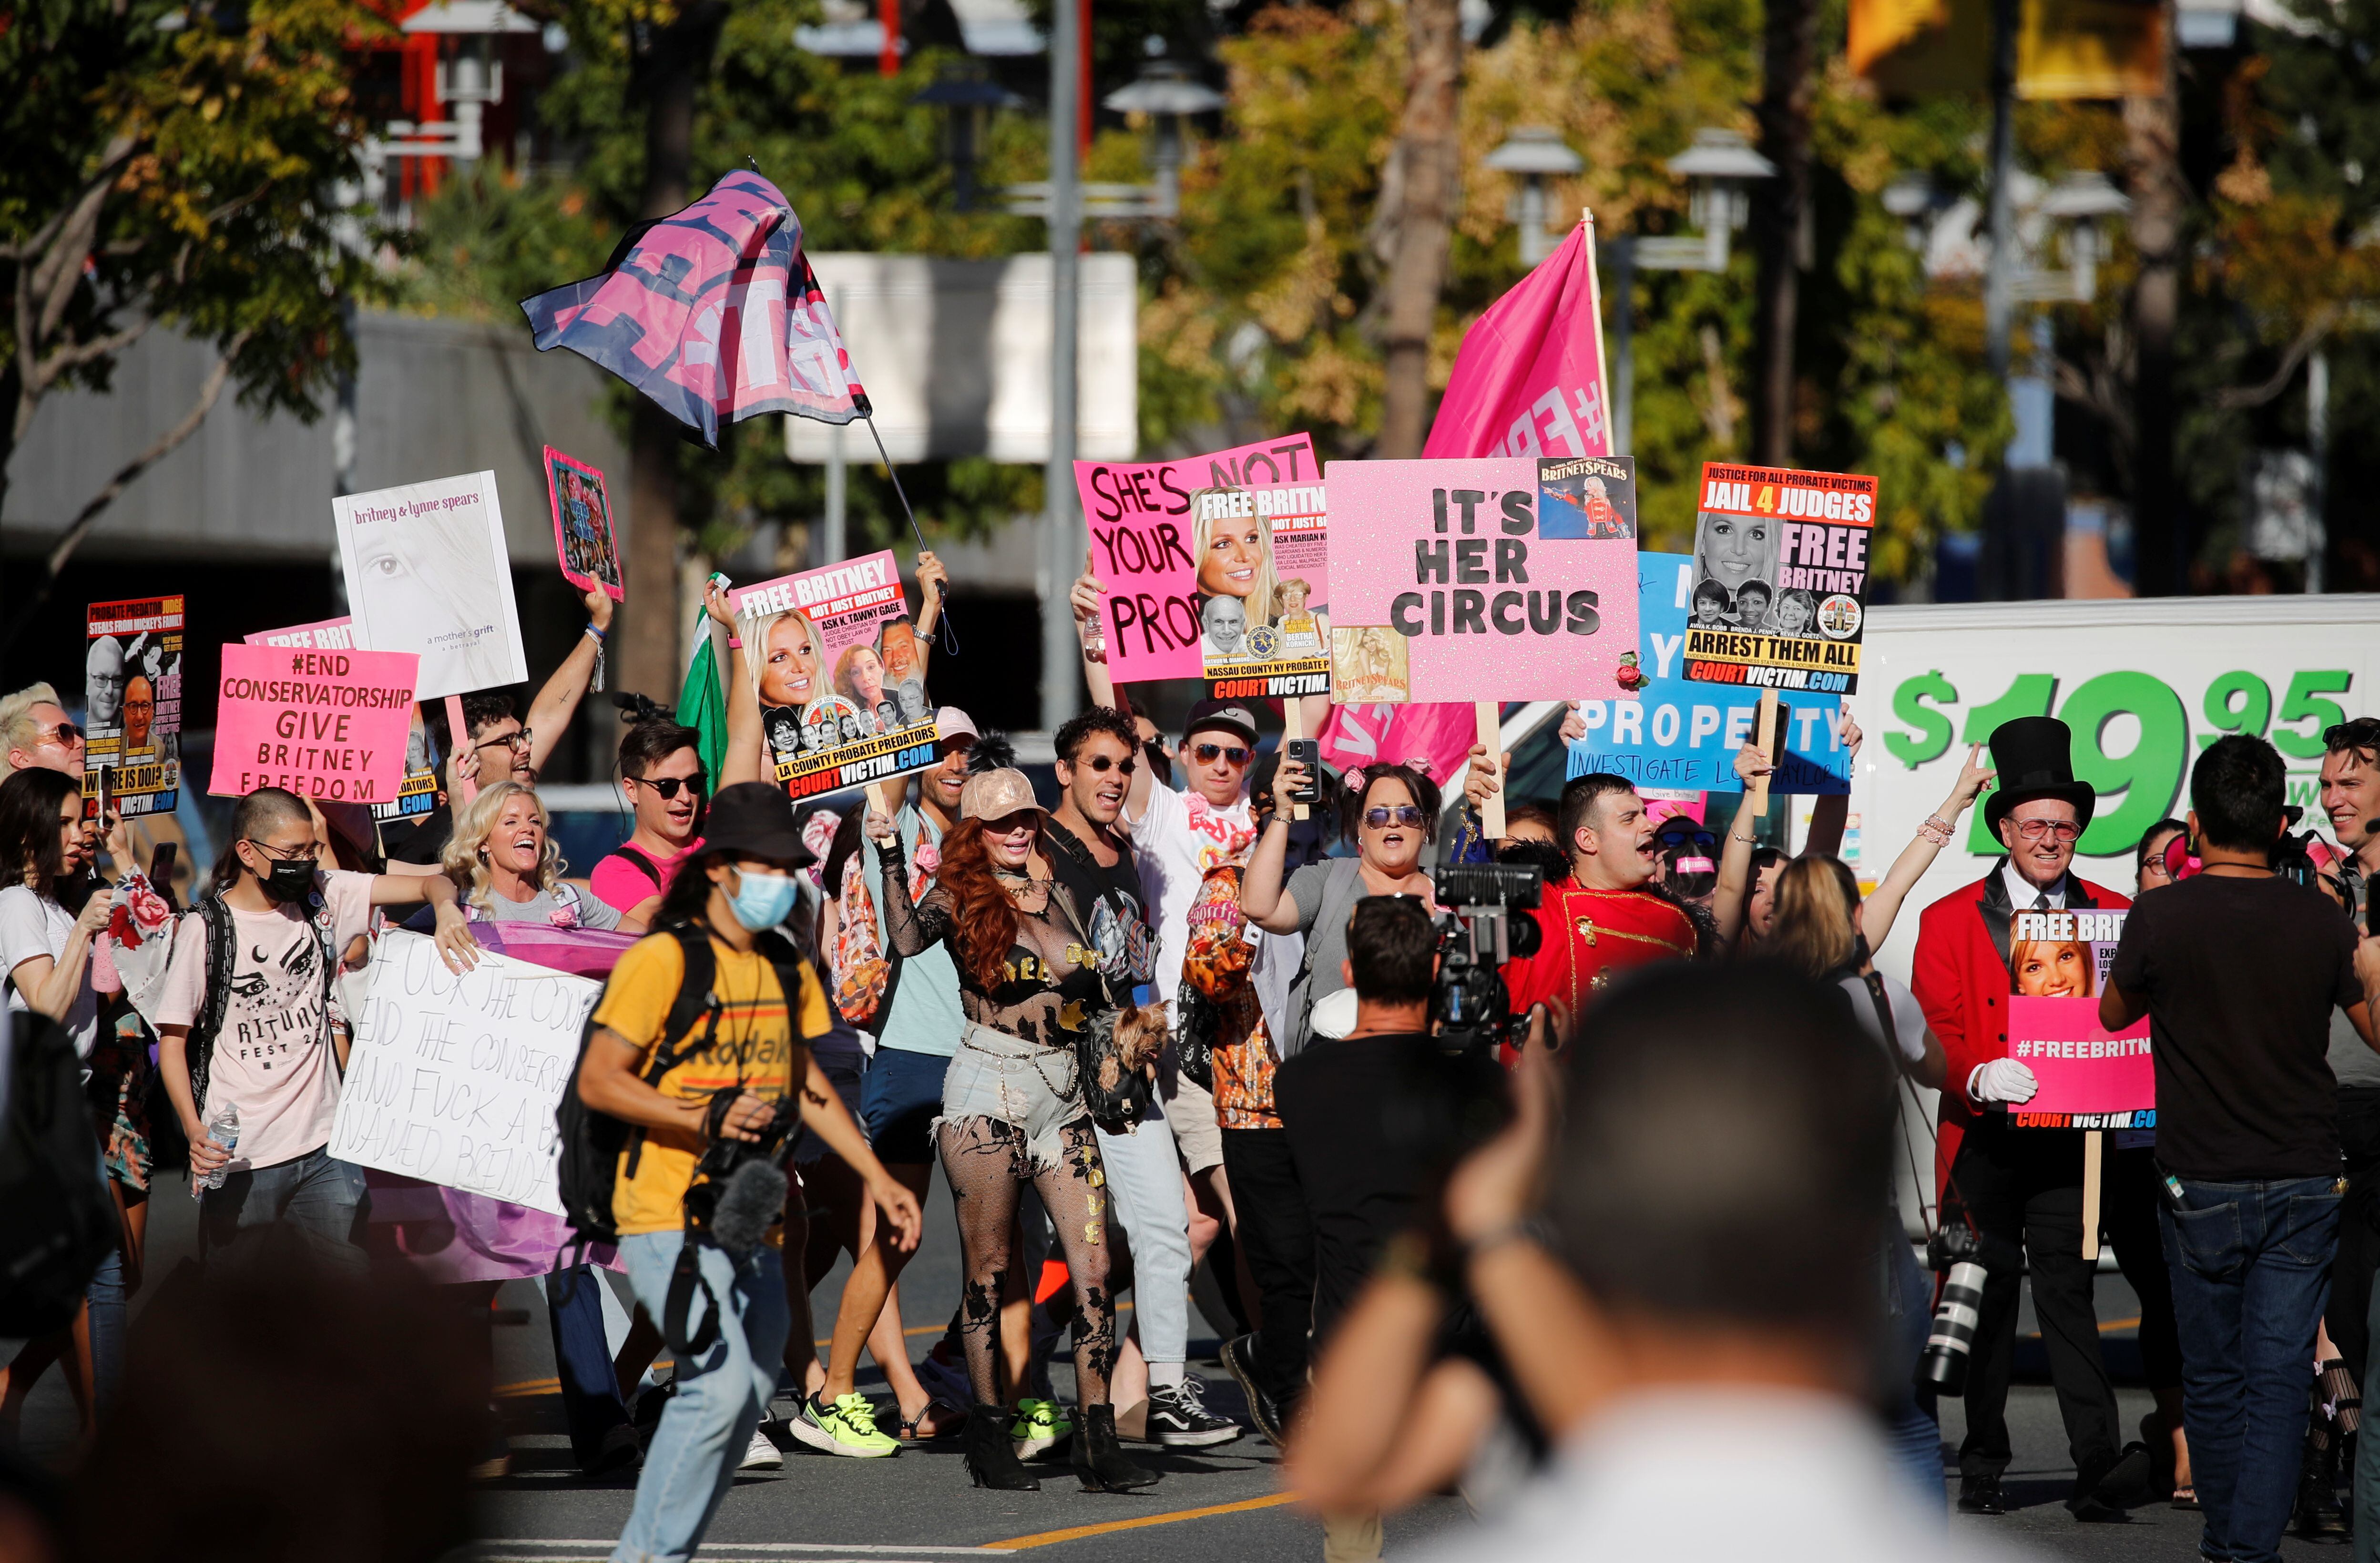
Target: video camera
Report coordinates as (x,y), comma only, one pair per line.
(1469,1009)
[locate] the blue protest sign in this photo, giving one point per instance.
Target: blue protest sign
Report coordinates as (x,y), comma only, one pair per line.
(1682,735)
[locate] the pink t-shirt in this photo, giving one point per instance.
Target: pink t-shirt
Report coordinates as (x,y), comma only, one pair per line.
(621,884)
(272,1058)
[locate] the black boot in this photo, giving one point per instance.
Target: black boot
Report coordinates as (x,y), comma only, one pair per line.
(1098,1458)
(991,1458)
(2318,1517)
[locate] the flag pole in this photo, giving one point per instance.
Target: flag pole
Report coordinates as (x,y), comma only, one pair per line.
(1594,312)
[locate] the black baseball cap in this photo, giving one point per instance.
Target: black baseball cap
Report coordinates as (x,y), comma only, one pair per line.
(1228,715)
(755,819)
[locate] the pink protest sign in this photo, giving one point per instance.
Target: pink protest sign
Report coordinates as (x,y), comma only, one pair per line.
(2090,1077)
(1456,581)
(323,634)
(324,725)
(1152,552)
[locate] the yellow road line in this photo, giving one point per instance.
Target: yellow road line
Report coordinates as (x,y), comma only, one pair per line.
(1076,1532)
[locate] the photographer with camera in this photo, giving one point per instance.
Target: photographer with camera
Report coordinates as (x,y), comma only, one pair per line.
(1606,917)
(1373,1117)
(697,1185)
(2238,969)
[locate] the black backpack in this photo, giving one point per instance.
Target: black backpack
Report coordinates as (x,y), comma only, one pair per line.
(57,1220)
(587,1167)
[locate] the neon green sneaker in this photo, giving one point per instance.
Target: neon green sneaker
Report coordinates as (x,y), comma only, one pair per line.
(847,1428)
(1040,1426)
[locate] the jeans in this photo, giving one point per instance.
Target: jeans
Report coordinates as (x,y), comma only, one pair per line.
(2250,1267)
(1277,1233)
(1145,1180)
(1911,1424)
(106,1296)
(721,1392)
(590,1395)
(319,1198)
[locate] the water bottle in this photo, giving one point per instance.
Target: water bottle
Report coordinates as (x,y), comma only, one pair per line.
(1094,640)
(223,1127)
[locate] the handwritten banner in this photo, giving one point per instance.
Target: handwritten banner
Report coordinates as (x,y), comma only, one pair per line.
(1146,546)
(454,1080)
(1445,565)
(324,725)
(1683,735)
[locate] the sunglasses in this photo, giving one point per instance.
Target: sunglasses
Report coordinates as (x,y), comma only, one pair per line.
(1703,839)
(668,786)
(1100,765)
(1232,752)
(63,734)
(2360,732)
(2034,830)
(1402,814)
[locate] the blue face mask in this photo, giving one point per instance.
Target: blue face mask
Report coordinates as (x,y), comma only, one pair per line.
(761,901)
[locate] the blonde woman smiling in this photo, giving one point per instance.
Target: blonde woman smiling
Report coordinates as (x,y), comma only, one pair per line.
(503,860)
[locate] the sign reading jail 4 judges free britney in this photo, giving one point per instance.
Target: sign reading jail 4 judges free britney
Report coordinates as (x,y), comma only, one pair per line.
(1781,578)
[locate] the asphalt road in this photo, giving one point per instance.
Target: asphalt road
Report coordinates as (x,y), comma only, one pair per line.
(1223,1502)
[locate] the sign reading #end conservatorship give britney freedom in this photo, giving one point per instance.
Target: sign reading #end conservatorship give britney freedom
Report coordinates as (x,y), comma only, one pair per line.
(1460,581)
(322,724)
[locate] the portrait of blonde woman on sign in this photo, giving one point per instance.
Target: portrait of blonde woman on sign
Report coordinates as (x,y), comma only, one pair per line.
(1368,663)
(1734,550)
(1302,630)
(1235,552)
(2052,968)
(791,672)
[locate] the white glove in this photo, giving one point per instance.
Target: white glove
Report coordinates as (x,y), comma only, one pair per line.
(2001,1080)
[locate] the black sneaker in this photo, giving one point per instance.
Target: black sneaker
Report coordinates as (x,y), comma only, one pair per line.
(1239,1356)
(1178,1417)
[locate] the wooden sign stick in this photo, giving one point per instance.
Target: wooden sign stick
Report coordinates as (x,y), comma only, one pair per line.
(2093,1144)
(1491,733)
(1755,792)
(459,738)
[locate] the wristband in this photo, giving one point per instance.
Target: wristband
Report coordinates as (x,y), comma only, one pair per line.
(1935,830)
(598,634)
(1527,1229)
(735,643)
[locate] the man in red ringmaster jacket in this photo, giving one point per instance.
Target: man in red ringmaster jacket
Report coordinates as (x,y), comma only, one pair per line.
(2022,1187)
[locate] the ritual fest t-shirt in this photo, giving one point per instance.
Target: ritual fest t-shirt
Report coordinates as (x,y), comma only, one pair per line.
(2240,976)
(272,1060)
(754,1047)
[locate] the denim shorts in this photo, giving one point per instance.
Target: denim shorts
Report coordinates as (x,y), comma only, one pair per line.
(999,1076)
(847,1070)
(899,1098)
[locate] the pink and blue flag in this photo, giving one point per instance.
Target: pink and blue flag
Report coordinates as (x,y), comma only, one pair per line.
(714,313)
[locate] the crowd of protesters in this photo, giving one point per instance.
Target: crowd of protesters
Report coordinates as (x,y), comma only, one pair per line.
(1156,1027)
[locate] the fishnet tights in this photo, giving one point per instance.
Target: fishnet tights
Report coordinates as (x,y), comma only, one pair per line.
(985,1160)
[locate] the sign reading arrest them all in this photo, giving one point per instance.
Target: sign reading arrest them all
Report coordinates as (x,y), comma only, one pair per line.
(1781,578)
(324,725)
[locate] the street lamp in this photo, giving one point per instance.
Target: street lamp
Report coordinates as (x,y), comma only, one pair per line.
(1537,155)
(1723,165)
(965,91)
(1169,94)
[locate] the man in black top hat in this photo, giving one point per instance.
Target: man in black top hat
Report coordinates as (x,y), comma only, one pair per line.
(2023,1187)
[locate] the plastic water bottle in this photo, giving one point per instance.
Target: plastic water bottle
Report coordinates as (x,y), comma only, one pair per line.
(223,1127)
(1094,640)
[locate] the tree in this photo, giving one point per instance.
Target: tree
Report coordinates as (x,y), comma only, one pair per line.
(175,168)
(1416,205)
(1780,210)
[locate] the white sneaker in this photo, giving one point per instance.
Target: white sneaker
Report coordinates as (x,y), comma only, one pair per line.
(762,1454)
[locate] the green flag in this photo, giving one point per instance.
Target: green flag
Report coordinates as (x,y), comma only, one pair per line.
(702,706)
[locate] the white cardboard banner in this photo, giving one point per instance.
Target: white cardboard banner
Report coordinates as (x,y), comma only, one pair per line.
(427,571)
(454,1080)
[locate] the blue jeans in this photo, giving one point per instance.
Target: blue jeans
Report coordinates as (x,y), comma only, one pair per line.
(1911,1424)
(2251,1265)
(709,1422)
(582,1359)
(320,1198)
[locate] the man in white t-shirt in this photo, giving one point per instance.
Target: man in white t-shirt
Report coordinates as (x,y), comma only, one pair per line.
(278,1053)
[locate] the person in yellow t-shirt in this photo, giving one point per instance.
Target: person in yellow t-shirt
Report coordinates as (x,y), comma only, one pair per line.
(738,886)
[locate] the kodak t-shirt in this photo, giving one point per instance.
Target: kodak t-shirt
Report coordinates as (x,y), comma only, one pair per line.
(272,1058)
(757,1047)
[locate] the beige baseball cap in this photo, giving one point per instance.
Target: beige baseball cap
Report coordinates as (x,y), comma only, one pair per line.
(996,795)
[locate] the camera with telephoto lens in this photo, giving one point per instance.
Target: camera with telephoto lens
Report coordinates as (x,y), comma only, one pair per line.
(1469,1009)
(738,1188)
(1955,1252)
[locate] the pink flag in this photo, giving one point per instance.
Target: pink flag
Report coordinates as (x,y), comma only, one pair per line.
(1434,734)
(714,313)
(1529,380)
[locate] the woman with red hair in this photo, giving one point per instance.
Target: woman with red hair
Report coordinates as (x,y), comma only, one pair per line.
(1012,1109)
